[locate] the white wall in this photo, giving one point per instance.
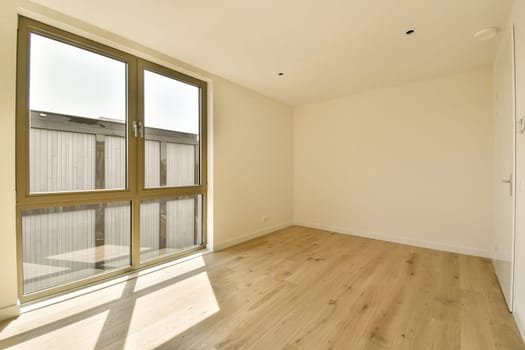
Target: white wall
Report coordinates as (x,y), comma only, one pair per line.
(8,279)
(410,164)
(519,262)
(251,176)
(253,164)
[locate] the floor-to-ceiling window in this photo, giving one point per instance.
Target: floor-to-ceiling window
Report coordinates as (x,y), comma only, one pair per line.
(111,161)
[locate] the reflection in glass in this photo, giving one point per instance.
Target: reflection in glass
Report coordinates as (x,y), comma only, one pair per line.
(169,226)
(66,244)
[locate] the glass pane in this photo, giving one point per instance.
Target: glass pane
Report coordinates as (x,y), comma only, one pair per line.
(169,226)
(171,116)
(66,244)
(77,102)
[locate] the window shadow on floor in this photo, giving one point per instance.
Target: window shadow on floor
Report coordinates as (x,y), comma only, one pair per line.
(119,314)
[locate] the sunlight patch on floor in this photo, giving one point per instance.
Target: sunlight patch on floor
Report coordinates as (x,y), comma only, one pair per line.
(168,312)
(61,338)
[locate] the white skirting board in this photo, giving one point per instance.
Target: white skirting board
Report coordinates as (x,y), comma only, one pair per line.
(402,240)
(249,236)
(8,312)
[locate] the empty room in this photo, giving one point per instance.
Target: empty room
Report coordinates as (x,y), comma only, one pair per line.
(238,174)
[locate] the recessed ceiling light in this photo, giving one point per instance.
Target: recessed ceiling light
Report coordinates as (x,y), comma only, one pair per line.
(280,74)
(410,32)
(486,33)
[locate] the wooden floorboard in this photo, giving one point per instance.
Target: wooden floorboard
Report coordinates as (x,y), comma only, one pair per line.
(298,288)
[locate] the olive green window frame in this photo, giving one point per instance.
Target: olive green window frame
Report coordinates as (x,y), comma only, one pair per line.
(135,191)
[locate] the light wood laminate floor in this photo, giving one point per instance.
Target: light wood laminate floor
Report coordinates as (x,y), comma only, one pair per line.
(297,288)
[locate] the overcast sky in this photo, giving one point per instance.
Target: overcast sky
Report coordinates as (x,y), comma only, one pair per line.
(68,80)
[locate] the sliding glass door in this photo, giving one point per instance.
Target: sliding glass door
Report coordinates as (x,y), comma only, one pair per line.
(111,161)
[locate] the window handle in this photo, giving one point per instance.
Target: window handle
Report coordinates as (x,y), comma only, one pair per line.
(141,130)
(135,129)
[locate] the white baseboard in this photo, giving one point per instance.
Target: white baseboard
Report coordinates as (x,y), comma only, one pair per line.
(402,240)
(247,237)
(8,312)
(520,323)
